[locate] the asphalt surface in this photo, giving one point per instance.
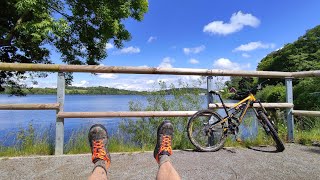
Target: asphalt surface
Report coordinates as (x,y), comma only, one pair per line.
(296,162)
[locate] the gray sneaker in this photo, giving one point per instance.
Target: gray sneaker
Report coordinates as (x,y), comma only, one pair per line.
(98,139)
(164,138)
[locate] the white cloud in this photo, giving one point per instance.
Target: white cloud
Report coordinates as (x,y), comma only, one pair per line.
(194,50)
(82,83)
(193,61)
(224,63)
(107,76)
(109,46)
(129,50)
(191,77)
(245,55)
(150,81)
(151,39)
(254,45)
(237,22)
(166,63)
(143,66)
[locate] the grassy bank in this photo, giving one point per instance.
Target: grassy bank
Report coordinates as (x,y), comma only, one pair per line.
(30,142)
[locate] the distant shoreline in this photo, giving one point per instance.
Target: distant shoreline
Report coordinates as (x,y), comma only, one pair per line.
(71,90)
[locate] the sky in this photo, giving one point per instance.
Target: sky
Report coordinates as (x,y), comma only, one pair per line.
(205,34)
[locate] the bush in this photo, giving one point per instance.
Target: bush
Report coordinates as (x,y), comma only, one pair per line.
(142,131)
(307,94)
(272,93)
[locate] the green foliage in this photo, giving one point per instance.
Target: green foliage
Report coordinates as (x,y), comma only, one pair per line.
(301,55)
(78,142)
(307,94)
(308,135)
(242,85)
(142,131)
(272,93)
(29,142)
(79,30)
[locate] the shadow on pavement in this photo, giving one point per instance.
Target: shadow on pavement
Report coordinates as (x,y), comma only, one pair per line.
(266,149)
(313,150)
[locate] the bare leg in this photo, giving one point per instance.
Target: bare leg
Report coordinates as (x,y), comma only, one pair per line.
(167,172)
(98,174)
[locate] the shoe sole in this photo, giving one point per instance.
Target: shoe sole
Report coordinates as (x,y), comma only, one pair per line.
(101,126)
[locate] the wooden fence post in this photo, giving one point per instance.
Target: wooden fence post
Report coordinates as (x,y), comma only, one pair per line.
(290,120)
(60,121)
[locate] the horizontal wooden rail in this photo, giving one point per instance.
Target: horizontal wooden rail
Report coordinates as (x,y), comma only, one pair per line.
(126,114)
(150,70)
(52,106)
(266,105)
(305,113)
(306,74)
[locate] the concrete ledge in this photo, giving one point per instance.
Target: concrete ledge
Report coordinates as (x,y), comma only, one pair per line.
(296,162)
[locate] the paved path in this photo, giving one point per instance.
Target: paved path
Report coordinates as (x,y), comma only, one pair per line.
(296,162)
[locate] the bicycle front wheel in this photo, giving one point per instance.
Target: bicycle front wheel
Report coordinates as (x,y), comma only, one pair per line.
(268,126)
(206,131)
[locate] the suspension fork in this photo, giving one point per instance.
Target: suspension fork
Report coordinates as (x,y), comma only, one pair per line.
(261,108)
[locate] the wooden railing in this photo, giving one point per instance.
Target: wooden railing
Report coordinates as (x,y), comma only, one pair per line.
(59,106)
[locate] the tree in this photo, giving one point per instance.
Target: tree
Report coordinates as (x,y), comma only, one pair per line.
(242,85)
(78,29)
(301,55)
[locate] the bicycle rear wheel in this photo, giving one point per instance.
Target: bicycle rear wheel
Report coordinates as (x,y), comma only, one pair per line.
(206,132)
(268,127)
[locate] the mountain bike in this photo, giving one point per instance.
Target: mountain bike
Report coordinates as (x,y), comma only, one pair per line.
(208,130)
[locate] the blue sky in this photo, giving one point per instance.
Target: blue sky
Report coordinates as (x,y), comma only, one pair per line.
(201,34)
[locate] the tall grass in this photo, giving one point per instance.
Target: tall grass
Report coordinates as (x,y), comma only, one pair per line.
(28,141)
(140,134)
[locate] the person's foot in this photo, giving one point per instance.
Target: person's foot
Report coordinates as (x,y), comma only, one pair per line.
(98,139)
(164,138)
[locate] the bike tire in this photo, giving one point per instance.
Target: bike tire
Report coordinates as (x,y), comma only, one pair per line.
(279,145)
(199,142)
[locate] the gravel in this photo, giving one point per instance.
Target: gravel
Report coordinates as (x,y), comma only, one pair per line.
(296,162)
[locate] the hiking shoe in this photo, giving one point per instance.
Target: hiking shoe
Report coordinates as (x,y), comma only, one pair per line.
(164,138)
(98,139)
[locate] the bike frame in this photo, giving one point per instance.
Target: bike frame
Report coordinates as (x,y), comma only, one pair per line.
(247,102)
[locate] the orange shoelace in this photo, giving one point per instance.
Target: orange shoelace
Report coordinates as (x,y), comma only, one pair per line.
(165,146)
(99,152)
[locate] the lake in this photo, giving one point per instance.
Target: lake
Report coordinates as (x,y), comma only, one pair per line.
(12,120)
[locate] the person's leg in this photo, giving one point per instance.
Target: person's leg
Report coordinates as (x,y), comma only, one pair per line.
(98,173)
(98,139)
(163,150)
